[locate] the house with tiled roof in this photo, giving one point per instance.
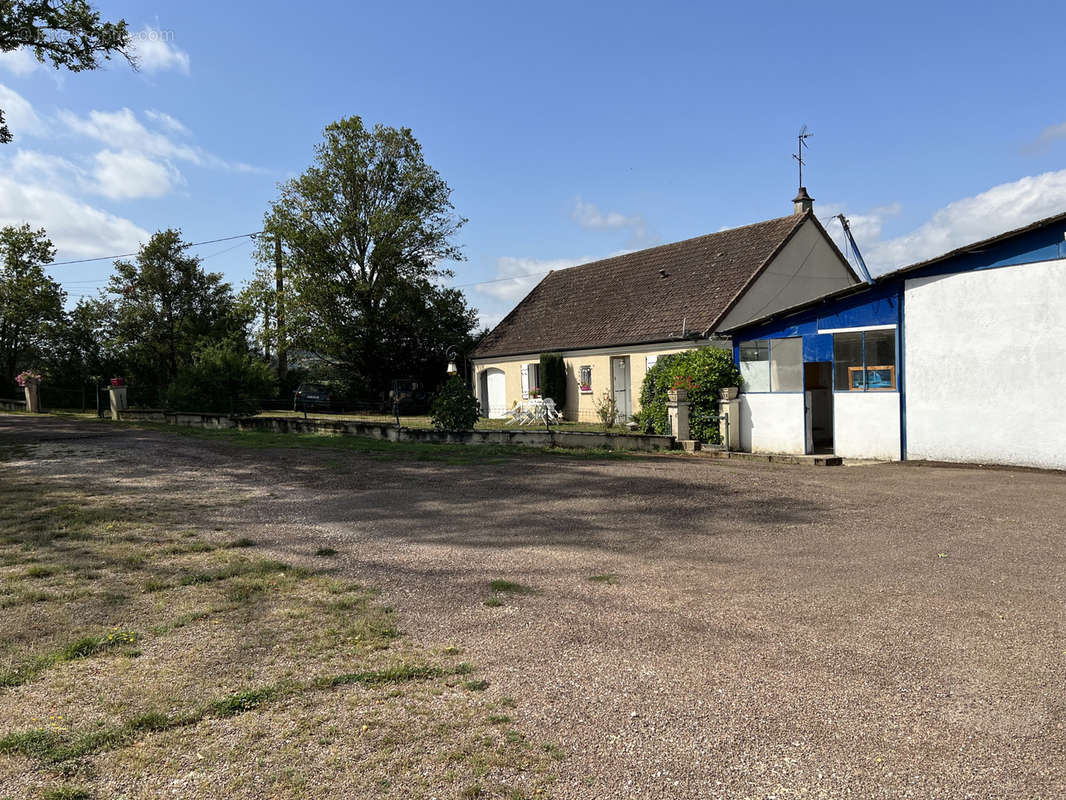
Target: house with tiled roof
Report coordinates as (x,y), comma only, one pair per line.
(611,319)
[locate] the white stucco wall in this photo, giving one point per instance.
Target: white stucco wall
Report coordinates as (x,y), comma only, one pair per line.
(984,370)
(866,425)
(772,423)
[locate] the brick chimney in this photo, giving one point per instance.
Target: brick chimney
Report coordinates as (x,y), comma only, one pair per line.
(802,202)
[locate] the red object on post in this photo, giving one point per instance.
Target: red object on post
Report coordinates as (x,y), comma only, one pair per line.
(118,381)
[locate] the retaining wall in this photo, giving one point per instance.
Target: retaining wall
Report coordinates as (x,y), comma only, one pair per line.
(12,405)
(387,432)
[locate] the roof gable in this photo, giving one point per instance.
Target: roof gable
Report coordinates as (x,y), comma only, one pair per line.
(651,295)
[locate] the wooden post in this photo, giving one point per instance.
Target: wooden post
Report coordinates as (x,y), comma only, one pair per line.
(279,309)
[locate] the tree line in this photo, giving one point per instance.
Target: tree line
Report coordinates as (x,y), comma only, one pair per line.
(348,291)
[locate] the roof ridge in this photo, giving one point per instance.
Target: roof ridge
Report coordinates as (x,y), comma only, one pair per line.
(798,218)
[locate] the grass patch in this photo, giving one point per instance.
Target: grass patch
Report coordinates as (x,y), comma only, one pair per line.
(39,571)
(475,686)
(84,647)
(510,587)
(325,551)
(66,793)
(607,578)
(239,702)
(494,602)
(244,541)
(498,719)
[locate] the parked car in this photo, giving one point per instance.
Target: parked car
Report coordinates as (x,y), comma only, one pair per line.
(409,395)
(312,397)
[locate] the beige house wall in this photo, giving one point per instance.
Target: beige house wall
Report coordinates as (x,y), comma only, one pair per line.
(581,406)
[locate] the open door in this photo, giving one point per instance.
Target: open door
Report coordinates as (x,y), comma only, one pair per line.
(818,405)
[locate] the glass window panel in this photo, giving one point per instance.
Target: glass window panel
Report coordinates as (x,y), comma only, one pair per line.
(880,360)
(755,365)
(786,365)
(847,362)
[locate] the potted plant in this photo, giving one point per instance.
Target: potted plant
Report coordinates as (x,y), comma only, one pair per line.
(29,381)
(729,392)
(678,391)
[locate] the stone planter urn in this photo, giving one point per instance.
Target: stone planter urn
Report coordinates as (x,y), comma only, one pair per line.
(677,395)
(729,393)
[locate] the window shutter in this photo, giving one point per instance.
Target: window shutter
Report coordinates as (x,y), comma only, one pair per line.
(525,381)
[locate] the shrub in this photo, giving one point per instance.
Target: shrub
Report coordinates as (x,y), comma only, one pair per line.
(703,372)
(553,378)
(223,378)
(607,410)
(455,408)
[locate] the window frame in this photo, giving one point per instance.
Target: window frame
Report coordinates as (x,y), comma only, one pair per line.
(769,364)
(584,388)
(865,367)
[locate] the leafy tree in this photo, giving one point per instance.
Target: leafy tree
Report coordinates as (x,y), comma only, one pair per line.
(69,33)
(78,356)
(31,303)
(223,377)
(455,408)
(706,370)
(553,378)
(365,230)
(164,304)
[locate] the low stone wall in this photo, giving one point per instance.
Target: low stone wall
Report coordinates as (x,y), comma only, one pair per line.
(12,405)
(387,432)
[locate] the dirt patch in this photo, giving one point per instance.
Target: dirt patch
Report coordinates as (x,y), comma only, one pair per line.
(686,628)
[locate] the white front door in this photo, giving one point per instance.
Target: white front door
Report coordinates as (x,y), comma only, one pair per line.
(495,393)
(620,386)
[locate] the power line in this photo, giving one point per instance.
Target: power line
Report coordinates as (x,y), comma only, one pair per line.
(128,255)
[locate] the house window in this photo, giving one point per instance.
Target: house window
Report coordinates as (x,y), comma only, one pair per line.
(755,365)
(534,378)
(584,380)
(772,365)
(864,361)
(649,362)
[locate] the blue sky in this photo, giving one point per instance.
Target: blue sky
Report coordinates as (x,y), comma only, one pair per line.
(568,132)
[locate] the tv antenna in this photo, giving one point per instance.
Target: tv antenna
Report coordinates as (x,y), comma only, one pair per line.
(801,142)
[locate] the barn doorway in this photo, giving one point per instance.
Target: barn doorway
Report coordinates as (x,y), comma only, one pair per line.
(818,406)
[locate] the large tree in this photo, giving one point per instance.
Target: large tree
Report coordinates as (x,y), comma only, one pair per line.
(164,305)
(366,232)
(69,33)
(31,303)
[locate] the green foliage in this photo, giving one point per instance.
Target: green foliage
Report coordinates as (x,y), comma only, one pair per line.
(222,378)
(607,410)
(553,378)
(165,304)
(706,370)
(365,231)
(454,407)
(68,33)
(31,303)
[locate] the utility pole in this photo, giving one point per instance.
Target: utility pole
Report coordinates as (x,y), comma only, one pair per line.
(279,309)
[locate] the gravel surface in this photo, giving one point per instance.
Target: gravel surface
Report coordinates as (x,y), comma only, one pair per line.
(766,631)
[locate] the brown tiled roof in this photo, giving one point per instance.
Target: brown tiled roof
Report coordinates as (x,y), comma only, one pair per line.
(628,300)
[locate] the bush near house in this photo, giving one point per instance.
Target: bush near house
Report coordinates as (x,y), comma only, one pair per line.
(704,371)
(223,378)
(553,378)
(454,407)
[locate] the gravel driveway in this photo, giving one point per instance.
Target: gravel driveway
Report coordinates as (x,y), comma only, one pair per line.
(756,630)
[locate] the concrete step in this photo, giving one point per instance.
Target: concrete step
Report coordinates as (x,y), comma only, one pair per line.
(816,460)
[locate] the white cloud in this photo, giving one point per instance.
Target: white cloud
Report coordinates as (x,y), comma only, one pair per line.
(33,166)
(19,114)
(589,216)
(77,229)
(154,51)
(999,209)
(1048,136)
(126,174)
(20,62)
(515,277)
(167,121)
